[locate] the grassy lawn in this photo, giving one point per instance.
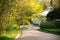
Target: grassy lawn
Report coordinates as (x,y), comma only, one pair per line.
(54,30)
(9,34)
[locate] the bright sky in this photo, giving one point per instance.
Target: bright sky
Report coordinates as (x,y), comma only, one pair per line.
(46,11)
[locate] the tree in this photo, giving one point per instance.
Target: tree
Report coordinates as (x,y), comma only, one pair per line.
(56,4)
(17,12)
(55,13)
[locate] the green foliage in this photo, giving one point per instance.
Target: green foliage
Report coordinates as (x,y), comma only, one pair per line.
(50,27)
(53,15)
(17,12)
(52,24)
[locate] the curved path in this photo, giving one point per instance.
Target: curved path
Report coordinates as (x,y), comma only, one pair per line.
(37,35)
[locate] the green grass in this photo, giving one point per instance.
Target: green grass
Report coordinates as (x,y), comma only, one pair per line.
(54,30)
(12,31)
(9,34)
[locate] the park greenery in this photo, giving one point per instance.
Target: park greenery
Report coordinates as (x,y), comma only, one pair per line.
(15,13)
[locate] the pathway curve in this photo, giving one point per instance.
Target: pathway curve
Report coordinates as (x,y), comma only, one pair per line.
(37,35)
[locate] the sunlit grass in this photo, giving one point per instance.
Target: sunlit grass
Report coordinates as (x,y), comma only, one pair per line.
(9,34)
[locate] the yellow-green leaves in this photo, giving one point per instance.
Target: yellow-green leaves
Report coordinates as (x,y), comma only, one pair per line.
(32,5)
(18,12)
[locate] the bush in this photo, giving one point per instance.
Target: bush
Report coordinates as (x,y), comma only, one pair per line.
(52,24)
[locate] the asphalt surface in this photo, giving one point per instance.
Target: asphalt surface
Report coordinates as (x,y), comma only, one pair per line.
(33,34)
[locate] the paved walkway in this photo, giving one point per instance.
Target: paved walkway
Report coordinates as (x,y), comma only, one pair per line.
(37,35)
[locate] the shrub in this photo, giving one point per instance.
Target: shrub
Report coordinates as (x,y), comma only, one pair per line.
(52,24)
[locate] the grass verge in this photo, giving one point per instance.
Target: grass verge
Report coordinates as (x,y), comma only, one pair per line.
(53,31)
(9,34)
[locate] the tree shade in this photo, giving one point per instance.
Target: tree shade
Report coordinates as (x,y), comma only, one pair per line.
(53,15)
